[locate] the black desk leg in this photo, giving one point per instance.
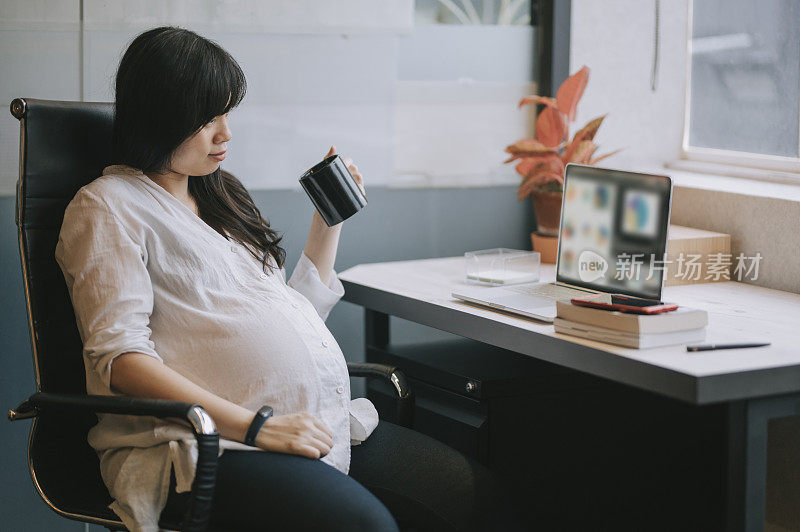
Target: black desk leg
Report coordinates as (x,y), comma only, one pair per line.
(747,458)
(376,328)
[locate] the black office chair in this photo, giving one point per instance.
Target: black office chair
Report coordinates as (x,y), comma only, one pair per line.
(63,146)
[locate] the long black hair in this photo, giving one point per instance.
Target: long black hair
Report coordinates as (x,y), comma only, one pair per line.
(170,83)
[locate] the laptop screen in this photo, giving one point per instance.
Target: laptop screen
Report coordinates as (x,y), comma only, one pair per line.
(613,233)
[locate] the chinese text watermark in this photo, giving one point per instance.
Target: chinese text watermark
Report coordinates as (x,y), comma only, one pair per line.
(689,266)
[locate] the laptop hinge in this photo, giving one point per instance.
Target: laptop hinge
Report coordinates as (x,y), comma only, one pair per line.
(580,288)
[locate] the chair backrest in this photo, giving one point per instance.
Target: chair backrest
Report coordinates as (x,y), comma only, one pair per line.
(63,146)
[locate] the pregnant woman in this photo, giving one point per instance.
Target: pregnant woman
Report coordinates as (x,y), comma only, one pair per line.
(179,291)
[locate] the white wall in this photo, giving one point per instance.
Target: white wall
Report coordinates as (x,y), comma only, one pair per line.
(615,39)
(39,58)
(426,106)
(456,103)
(277,16)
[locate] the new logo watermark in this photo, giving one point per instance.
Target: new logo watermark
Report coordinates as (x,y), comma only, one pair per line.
(591,266)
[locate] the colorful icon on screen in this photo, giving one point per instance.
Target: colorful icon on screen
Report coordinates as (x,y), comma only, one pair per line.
(601,197)
(571,193)
(639,216)
(569,229)
(602,235)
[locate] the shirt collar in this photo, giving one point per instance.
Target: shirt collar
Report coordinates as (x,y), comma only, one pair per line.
(124,169)
(121,169)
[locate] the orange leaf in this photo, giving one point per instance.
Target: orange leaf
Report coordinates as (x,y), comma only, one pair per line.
(586,133)
(527,148)
(530,185)
(609,154)
(571,91)
(525,189)
(525,166)
(589,130)
(531,166)
(582,152)
(567,155)
(540,170)
(536,156)
(551,127)
(544,100)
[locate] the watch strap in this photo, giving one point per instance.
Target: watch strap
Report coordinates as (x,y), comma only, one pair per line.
(263,414)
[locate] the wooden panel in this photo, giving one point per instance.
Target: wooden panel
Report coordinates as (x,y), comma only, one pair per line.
(686,244)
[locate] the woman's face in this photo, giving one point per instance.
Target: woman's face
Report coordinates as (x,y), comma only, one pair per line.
(203,152)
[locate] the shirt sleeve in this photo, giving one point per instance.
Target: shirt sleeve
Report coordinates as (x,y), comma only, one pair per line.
(363,419)
(306,280)
(108,283)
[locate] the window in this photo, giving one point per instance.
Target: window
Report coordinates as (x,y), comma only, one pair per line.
(743,93)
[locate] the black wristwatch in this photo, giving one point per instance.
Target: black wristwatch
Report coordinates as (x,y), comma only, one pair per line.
(263,414)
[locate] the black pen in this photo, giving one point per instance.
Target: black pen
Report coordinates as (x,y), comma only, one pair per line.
(712,347)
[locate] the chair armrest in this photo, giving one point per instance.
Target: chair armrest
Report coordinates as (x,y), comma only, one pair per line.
(205,431)
(395,377)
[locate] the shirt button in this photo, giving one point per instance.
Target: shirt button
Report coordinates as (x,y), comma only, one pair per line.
(340,389)
(263,275)
(325,343)
(233,249)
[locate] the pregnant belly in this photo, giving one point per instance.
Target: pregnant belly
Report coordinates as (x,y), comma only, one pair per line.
(253,354)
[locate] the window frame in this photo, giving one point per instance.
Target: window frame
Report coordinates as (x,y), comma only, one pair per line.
(721,156)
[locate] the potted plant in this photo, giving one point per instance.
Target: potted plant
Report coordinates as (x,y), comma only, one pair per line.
(542,159)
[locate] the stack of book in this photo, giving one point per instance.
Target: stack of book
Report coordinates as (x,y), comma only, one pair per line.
(683,325)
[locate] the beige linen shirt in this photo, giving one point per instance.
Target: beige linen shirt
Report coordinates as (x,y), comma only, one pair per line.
(147,275)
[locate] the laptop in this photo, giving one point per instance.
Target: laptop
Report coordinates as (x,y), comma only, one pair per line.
(612,239)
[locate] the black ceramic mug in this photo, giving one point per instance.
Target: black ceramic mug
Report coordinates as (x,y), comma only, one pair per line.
(333,190)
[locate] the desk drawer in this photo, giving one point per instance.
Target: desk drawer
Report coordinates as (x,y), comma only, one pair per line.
(460,422)
(478,371)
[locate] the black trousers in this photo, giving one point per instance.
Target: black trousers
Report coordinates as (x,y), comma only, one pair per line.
(398,478)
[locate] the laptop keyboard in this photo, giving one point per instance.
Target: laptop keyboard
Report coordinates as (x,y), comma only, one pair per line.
(548,291)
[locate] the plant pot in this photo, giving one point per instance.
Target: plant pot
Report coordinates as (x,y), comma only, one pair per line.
(547,246)
(547,208)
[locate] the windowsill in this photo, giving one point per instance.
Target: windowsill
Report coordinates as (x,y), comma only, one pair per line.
(734,180)
(715,179)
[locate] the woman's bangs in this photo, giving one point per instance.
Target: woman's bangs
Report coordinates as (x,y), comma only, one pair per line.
(221,78)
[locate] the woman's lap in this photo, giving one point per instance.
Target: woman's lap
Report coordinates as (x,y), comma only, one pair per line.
(429,485)
(275,491)
(424,483)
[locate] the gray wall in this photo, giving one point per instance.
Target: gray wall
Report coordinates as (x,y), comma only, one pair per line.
(398,224)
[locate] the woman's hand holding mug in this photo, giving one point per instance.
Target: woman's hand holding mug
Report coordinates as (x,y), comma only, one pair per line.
(301,434)
(335,187)
(350,166)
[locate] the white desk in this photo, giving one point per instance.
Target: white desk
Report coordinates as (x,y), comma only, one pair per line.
(757,384)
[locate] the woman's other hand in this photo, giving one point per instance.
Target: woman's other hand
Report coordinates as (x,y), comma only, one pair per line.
(353,169)
(301,434)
